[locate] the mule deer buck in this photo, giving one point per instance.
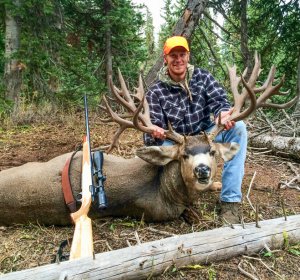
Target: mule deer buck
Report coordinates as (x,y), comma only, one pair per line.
(135,187)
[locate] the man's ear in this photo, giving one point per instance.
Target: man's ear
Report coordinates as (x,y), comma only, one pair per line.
(165,60)
(158,155)
(227,150)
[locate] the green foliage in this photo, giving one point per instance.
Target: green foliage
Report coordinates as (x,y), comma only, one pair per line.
(5,108)
(149,42)
(62,44)
(205,51)
(276,37)
(286,242)
(2,47)
(295,250)
(172,11)
(212,274)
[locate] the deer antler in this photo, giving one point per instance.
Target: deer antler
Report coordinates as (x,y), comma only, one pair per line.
(139,113)
(250,90)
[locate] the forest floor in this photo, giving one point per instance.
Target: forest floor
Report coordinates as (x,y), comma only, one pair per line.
(31,245)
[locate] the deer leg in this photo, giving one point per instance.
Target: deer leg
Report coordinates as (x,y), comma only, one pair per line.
(215,186)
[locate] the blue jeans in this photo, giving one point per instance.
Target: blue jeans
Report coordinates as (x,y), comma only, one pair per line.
(233,171)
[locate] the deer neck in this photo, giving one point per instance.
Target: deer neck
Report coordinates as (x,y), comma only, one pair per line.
(172,187)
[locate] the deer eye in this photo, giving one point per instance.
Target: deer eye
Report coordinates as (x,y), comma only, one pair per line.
(212,153)
(185,156)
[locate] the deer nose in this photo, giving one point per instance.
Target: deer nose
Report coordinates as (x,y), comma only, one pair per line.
(202,171)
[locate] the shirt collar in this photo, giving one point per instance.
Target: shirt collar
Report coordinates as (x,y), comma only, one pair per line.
(164,76)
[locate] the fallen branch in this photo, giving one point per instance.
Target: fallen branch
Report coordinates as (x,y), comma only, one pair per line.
(248,192)
(265,265)
(162,232)
(246,273)
(273,129)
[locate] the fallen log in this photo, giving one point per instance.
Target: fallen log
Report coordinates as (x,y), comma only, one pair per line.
(288,147)
(149,259)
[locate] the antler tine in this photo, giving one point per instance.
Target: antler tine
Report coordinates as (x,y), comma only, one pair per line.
(270,90)
(140,89)
(127,103)
(218,127)
(137,119)
(115,140)
(115,117)
(173,135)
(123,124)
(125,91)
(236,115)
(255,71)
(234,84)
(268,81)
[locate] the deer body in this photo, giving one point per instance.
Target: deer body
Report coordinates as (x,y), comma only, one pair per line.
(33,192)
(134,187)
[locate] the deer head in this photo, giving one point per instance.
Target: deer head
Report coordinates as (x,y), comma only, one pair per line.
(196,154)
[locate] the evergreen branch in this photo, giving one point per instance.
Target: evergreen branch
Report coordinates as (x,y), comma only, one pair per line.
(216,23)
(211,49)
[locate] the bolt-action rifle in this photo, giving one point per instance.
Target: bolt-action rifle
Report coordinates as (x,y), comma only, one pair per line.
(82,245)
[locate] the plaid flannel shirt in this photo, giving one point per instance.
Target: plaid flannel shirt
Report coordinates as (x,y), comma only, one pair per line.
(170,101)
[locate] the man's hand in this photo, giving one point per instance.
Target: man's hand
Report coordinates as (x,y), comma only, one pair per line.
(158,132)
(224,119)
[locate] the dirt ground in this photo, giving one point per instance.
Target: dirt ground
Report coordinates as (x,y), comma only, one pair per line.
(26,246)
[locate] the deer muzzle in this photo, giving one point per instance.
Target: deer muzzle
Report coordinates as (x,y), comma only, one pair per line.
(202,172)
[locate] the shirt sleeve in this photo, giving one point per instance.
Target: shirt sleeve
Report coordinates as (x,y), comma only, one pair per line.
(217,97)
(156,116)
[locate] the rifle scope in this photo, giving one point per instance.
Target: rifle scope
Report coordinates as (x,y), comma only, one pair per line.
(100,178)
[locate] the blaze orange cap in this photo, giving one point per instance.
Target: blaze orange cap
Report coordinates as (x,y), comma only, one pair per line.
(175,41)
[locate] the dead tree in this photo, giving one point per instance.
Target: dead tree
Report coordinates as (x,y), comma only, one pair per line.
(184,27)
(13,68)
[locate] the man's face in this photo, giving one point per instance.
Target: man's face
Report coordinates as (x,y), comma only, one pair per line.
(177,61)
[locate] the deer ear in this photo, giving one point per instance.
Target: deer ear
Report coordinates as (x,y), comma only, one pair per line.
(158,155)
(227,150)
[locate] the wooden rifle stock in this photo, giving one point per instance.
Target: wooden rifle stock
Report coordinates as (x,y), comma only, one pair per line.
(82,244)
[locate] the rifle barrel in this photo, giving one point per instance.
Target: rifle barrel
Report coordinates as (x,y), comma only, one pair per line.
(86,111)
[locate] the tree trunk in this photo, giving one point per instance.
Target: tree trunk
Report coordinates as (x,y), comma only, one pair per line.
(296,113)
(184,27)
(287,147)
(107,9)
(244,39)
(12,72)
(153,258)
